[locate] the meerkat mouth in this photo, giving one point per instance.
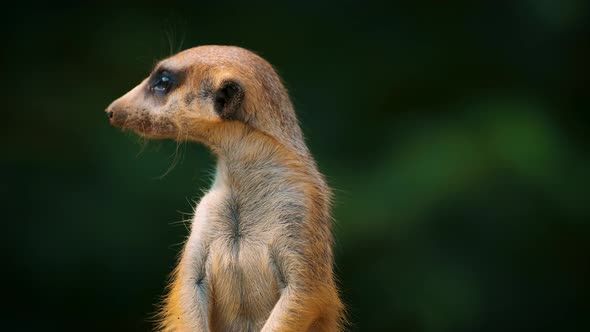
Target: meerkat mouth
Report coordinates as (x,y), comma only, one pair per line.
(143,124)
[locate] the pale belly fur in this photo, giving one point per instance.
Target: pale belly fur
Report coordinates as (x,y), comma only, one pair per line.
(239,283)
(243,285)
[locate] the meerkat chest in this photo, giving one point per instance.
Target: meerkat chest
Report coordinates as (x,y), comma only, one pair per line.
(243,284)
(238,267)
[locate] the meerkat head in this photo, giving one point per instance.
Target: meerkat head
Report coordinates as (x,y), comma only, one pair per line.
(209,93)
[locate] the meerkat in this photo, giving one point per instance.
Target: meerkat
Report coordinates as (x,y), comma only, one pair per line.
(259,256)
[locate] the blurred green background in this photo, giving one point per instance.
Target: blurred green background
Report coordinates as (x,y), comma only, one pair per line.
(454,134)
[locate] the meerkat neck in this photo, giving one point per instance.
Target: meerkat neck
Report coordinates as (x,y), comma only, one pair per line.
(286,131)
(238,143)
(256,159)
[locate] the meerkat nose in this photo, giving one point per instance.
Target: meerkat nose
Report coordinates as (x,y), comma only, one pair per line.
(111,114)
(114,115)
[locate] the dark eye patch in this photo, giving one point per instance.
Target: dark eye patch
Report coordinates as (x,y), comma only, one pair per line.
(162,81)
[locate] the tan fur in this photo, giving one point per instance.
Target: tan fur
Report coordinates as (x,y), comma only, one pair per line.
(259,255)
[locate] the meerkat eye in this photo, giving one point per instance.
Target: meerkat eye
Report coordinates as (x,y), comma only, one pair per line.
(163,84)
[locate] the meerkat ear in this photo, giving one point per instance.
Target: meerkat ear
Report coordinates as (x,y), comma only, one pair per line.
(228,99)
